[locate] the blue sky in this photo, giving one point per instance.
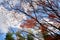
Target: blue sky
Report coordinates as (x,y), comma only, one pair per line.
(2,36)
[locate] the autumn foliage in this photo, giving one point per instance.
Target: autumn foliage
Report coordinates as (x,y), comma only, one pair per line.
(52,16)
(30,23)
(47,7)
(43,29)
(49,38)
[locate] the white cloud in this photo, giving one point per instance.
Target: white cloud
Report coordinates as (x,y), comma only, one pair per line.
(9,19)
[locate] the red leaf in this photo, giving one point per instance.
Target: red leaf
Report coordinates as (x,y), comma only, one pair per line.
(52,16)
(43,29)
(30,23)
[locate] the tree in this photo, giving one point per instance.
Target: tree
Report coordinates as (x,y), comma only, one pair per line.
(48,7)
(29,37)
(19,37)
(9,36)
(41,14)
